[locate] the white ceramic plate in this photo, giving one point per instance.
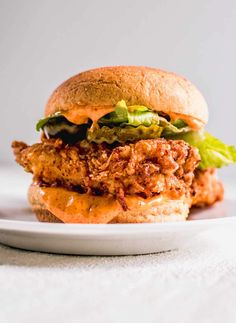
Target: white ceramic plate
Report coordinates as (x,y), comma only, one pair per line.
(19,228)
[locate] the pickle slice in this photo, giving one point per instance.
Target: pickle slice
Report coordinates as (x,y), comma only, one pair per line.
(110,135)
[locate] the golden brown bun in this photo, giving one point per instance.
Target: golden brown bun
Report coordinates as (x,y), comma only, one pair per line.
(159,90)
(46,216)
(162,211)
(168,211)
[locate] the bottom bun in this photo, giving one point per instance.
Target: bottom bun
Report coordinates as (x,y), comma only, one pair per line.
(52,204)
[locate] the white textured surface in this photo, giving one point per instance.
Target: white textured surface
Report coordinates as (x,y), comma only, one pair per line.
(194,284)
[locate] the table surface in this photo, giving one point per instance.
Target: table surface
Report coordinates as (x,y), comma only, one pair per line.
(194,284)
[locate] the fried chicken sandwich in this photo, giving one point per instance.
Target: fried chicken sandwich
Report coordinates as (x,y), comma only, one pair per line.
(123,145)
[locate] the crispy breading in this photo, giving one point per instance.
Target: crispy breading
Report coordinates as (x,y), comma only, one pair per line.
(206,189)
(146,167)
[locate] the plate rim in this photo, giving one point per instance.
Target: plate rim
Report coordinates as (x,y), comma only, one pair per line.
(105,229)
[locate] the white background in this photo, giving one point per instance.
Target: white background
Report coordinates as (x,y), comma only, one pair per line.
(42,43)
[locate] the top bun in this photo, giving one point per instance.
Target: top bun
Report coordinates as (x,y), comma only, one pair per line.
(156,89)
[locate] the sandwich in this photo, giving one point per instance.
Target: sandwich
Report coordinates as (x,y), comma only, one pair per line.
(123,144)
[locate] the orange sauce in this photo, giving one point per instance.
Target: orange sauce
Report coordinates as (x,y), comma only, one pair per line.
(81,114)
(193,123)
(72,207)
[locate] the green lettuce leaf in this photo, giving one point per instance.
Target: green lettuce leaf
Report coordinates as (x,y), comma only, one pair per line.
(213,152)
(137,115)
(134,115)
(42,122)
